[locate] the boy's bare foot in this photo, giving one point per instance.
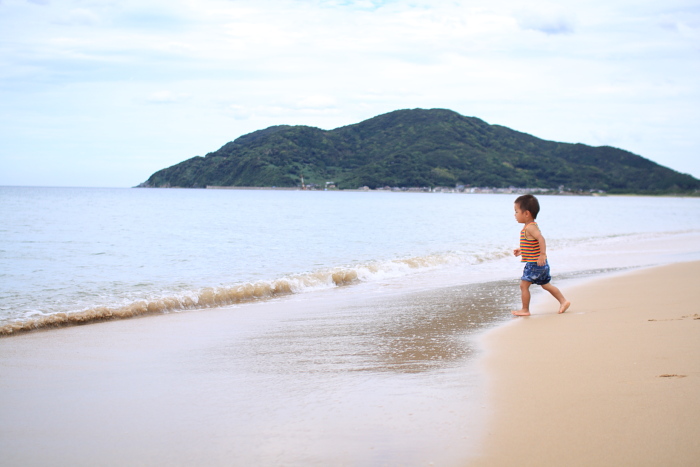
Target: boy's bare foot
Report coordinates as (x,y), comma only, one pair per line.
(521,313)
(564,306)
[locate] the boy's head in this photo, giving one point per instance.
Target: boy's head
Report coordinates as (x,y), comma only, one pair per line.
(528,203)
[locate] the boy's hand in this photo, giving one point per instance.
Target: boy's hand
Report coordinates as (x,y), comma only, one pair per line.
(516,252)
(541,260)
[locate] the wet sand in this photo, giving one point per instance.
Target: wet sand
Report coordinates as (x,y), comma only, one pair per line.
(614,381)
(360,375)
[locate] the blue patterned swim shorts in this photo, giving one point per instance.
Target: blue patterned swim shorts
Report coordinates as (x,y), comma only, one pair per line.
(538,275)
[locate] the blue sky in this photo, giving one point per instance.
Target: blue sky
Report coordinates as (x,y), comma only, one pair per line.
(106,92)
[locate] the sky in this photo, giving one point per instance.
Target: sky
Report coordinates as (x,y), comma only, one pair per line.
(105,92)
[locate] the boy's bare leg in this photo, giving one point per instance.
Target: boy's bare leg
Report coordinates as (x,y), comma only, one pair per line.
(525,297)
(564,304)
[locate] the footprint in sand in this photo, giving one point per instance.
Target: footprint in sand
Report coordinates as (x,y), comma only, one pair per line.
(695,316)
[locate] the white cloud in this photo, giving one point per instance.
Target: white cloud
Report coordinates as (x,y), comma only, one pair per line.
(550,21)
(166,97)
(79,17)
(688,27)
(316,102)
(238,112)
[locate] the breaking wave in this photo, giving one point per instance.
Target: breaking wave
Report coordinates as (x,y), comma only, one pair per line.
(244,292)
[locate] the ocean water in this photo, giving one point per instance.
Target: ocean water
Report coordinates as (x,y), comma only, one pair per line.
(78,255)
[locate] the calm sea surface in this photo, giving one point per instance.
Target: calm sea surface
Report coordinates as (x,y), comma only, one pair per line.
(67,250)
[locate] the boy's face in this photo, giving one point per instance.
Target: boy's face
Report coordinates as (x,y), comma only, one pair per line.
(520,215)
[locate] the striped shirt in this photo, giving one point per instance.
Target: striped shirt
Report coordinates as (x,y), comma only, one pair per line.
(529,249)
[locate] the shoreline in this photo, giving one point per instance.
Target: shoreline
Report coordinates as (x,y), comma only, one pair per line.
(321,380)
(613,381)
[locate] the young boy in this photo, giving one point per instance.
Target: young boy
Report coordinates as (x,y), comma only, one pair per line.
(533,251)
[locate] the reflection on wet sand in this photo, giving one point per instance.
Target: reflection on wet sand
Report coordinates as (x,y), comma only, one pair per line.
(404,333)
(345,378)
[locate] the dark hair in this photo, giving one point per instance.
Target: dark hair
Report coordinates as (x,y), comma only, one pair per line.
(528,203)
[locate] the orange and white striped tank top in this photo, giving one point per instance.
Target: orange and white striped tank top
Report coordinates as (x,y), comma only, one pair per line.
(529,249)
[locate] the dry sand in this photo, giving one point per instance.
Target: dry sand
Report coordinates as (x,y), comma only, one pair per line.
(615,381)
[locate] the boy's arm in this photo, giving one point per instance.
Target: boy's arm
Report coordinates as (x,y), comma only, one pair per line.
(534,232)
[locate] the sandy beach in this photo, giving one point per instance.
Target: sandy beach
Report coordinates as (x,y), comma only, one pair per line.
(615,381)
(329,379)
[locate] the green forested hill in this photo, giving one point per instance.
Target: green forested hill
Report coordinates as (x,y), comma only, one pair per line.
(420,148)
